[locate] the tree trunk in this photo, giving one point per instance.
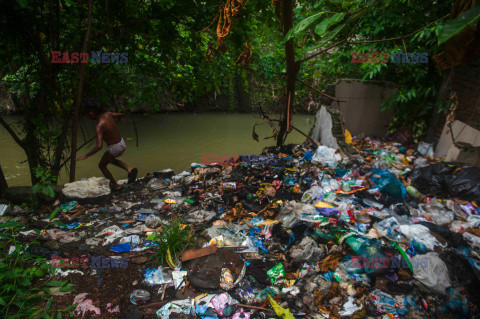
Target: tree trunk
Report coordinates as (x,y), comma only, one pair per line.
(78,99)
(287,19)
(3,182)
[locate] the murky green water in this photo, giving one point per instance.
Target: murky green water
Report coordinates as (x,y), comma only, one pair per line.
(165,141)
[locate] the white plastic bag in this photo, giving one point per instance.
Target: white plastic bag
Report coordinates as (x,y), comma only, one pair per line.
(421,234)
(425,149)
(435,275)
(326,155)
(312,194)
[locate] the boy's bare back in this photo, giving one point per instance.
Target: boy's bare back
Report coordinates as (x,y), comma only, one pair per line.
(108,126)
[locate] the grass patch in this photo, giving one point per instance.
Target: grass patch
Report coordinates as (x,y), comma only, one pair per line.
(175,238)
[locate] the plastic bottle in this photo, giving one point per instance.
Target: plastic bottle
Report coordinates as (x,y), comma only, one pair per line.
(139,296)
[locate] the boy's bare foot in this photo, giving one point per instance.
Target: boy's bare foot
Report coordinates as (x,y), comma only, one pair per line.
(132,175)
(115,187)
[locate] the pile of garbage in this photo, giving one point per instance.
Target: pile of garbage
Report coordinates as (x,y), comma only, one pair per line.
(388,233)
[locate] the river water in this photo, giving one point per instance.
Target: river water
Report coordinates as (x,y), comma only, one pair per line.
(164,141)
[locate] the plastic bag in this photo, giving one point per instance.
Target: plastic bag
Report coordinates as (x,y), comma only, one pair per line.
(448,180)
(155,276)
(281,312)
(453,239)
(456,302)
(258,242)
(133,239)
(312,194)
(388,184)
(326,155)
(386,228)
(434,277)
(371,249)
(307,250)
(288,213)
(184,306)
(426,149)
(438,213)
(388,304)
(276,272)
(222,302)
(112,233)
(152,221)
(325,209)
(200,216)
(421,234)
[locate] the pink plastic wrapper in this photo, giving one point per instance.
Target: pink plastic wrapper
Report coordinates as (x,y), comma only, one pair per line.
(84,305)
(221,301)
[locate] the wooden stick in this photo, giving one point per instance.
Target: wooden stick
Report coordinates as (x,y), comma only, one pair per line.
(296,129)
(317,90)
(253,307)
(163,291)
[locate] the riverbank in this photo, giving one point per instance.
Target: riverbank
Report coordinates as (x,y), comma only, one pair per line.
(289,230)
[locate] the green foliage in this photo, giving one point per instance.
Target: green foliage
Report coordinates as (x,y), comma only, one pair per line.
(176,237)
(323,26)
(46,182)
(453,27)
(300,27)
(26,279)
(418,83)
(271,67)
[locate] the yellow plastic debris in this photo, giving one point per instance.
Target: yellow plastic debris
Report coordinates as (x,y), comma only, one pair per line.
(268,222)
(321,204)
(281,312)
(348,137)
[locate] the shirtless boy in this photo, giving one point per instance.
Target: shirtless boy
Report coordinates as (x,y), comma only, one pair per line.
(107,129)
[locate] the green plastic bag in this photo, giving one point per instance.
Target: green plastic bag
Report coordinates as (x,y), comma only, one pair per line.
(276,272)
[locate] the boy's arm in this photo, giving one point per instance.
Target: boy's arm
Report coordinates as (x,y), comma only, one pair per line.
(99,135)
(118,116)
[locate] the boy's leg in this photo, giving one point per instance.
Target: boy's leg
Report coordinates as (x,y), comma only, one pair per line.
(121,164)
(132,172)
(106,159)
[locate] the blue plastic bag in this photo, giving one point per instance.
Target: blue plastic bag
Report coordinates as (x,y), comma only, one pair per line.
(388,184)
(258,242)
(121,248)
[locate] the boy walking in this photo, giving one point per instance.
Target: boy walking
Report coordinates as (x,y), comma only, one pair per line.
(107,129)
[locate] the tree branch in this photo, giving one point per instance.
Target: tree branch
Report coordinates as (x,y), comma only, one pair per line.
(320,52)
(79,96)
(12,133)
(399,38)
(318,91)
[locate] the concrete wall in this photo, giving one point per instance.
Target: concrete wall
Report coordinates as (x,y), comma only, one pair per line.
(360,105)
(465,82)
(462,133)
